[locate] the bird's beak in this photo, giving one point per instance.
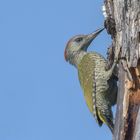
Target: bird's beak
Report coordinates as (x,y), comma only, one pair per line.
(91,37)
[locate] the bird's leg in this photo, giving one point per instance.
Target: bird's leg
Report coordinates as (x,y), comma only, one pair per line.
(130,82)
(110,57)
(116,59)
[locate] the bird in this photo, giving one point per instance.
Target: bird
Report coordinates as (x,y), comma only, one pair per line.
(98,84)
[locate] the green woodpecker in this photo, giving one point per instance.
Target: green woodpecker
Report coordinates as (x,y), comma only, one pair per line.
(99,85)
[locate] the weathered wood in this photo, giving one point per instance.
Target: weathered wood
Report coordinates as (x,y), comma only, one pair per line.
(123,24)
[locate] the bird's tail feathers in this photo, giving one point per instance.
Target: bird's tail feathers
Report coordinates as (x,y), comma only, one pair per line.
(107,120)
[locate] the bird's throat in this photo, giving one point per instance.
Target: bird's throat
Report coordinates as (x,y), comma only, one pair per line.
(77,57)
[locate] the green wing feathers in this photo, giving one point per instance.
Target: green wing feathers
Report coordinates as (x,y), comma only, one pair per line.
(100,94)
(86,72)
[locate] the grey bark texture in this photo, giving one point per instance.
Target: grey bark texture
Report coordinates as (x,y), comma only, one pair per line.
(123,24)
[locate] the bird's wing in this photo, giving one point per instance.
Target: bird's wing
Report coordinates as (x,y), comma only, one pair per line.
(86,73)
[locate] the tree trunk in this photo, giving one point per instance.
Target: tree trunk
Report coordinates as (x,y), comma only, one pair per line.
(123,24)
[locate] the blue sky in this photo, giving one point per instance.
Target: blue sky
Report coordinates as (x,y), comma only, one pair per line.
(40,95)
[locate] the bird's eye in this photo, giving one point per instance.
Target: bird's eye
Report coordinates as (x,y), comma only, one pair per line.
(79,39)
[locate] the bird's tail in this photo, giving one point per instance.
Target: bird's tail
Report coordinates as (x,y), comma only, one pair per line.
(110,124)
(107,120)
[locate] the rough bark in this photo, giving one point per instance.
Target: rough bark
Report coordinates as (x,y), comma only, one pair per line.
(123,24)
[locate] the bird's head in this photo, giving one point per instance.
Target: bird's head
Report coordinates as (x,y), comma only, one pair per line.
(79,43)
